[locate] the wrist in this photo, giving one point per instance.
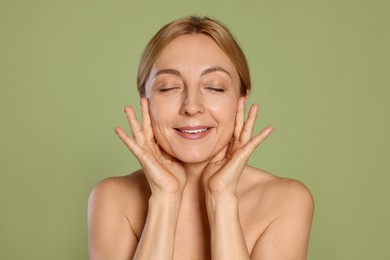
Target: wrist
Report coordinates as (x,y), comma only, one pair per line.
(222,201)
(165,208)
(166,200)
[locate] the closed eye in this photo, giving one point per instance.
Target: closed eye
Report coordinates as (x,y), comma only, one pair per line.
(216,89)
(162,90)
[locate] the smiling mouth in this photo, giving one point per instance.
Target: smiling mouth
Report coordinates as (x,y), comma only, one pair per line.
(192,131)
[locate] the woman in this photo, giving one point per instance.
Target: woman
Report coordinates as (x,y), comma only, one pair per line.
(195,196)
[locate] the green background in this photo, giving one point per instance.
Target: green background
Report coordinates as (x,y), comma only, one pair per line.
(320,73)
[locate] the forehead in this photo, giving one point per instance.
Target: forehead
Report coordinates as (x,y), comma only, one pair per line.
(193,52)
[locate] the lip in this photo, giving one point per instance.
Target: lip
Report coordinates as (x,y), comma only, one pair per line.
(193,132)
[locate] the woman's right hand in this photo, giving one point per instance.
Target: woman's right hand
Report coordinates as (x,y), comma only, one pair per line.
(165,174)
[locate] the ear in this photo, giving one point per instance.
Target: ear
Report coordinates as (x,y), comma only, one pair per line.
(247,94)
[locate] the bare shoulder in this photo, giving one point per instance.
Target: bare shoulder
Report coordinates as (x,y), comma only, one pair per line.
(122,196)
(277,194)
(115,210)
(120,187)
(281,211)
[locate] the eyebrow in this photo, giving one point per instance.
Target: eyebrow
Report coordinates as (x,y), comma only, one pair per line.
(214,69)
(206,71)
(168,71)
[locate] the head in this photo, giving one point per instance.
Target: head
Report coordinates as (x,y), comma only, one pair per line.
(193,74)
(194,25)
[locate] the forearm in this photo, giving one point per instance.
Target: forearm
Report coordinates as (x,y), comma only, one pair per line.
(227,238)
(158,237)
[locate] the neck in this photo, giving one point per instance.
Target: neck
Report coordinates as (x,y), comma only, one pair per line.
(193,195)
(194,172)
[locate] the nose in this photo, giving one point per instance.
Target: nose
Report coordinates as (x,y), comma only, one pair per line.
(192,103)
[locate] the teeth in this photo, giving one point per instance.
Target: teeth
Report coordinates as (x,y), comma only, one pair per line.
(196,131)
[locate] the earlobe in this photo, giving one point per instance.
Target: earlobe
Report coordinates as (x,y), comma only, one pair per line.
(247,94)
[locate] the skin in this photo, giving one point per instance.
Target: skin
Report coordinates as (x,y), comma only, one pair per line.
(195,196)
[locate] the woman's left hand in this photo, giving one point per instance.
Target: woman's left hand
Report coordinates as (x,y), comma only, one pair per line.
(222,174)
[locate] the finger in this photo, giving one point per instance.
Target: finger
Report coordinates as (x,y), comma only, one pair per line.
(251,146)
(146,123)
(247,130)
(135,126)
(240,118)
(128,141)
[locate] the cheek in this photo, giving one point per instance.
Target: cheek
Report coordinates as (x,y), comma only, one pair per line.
(162,115)
(157,110)
(225,110)
(153,113)
(225,116)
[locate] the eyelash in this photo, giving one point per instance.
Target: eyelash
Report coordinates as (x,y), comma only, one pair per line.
(220,90)
(162,90)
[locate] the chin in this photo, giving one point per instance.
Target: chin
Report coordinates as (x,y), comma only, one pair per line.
(194,161)
(194,157)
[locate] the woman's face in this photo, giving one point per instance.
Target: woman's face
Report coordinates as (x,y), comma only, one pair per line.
(193,90)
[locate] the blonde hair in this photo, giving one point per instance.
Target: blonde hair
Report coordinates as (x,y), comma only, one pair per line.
(194,25)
